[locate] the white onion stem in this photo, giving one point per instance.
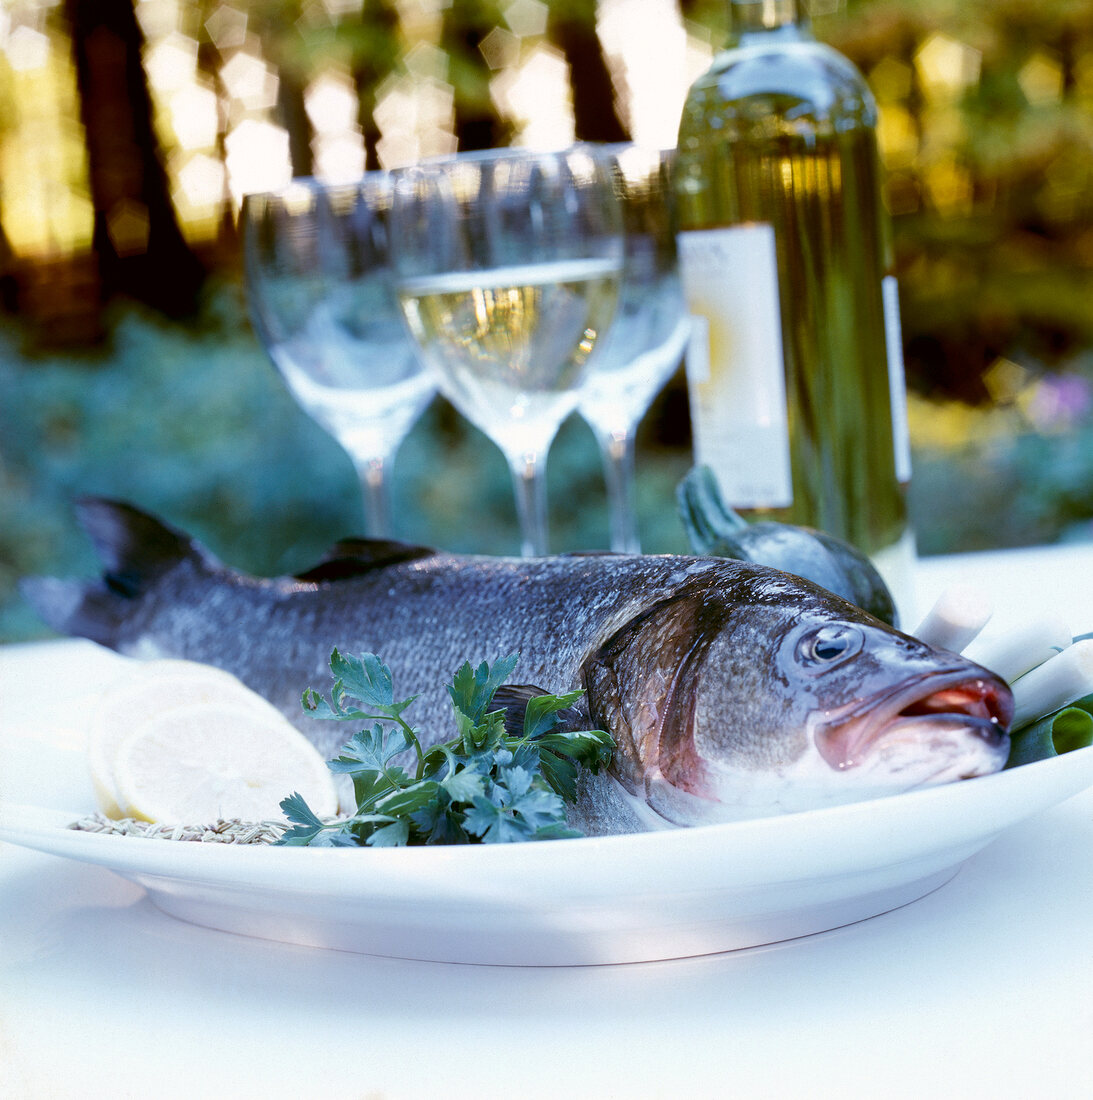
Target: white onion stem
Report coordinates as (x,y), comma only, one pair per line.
(959,615)
(1021,649)
(1054,684)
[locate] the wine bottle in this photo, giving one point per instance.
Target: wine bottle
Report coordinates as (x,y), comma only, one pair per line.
(795,371)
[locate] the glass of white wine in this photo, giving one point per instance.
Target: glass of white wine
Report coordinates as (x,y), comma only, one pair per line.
(650,333)
(322,301)
(508,265)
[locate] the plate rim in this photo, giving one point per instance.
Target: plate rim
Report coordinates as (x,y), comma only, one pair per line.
(1043,784)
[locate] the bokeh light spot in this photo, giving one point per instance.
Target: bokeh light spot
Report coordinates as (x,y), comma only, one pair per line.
(526,18)
(257,158)
(946,67)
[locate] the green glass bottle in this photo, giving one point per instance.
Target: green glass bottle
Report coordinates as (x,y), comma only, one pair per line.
(795,371)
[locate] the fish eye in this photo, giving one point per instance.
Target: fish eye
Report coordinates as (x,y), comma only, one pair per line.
(828,645)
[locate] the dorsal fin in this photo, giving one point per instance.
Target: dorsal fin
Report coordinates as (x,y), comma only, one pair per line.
(352,557)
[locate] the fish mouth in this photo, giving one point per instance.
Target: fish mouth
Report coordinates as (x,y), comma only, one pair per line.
(950,719)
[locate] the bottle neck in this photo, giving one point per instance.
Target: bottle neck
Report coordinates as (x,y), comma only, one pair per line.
(755,18)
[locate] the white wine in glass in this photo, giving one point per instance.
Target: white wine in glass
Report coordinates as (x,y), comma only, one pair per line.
(509,265)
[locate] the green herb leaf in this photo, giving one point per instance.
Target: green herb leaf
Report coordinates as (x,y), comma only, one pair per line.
(563,753)
(472,690)
(373,748)
(590,748)
(440,822)
(310,830)
(517,808)
(542,712)
(299,812)
(493,825)
(366,678)
(561,773)
(464,785)
(534,802)
(335,838)
(482,786)
(317,707)
(366,758)
(394,835)
(306,825)
(408,800)
(560,831)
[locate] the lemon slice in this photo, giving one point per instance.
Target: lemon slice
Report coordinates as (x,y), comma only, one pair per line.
(194,764)
(150,689)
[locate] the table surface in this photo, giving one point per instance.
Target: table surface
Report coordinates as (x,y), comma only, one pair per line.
(983,988)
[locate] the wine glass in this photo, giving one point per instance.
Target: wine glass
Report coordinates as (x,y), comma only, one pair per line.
(650,333)
(323,304)
(508,267)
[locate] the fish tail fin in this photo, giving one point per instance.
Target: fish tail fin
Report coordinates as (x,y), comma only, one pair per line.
(78,609)
(134,547)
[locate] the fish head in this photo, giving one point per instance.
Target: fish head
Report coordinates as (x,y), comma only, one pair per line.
(770,694)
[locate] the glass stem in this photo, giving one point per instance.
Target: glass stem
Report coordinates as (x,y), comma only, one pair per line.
(617,449)
(529,485)
(377,512)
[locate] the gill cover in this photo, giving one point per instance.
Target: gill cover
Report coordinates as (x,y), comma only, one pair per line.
(642,683)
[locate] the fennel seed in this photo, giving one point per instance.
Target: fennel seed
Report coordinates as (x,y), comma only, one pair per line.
(224,831)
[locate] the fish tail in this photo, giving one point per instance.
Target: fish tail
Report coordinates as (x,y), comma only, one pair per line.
(134,547)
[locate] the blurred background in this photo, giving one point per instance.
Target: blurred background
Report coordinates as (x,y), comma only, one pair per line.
(129,129)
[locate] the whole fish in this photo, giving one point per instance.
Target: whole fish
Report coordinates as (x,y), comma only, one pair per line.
(731,689)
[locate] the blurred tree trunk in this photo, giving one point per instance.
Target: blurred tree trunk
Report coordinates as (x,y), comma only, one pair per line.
(275,22)
(572,28)
(9,286)
(477,124)
(374,59)
(140,248)
(293,116)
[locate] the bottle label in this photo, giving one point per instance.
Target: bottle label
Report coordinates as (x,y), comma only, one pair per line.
(897,382)
(735,366)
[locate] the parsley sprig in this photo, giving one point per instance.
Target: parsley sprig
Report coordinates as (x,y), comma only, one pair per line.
(483,786)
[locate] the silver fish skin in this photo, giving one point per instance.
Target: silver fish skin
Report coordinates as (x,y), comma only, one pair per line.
(731,689)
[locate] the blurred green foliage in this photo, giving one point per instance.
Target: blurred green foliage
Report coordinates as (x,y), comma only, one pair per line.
(192,422)
(986,129)
(987,135)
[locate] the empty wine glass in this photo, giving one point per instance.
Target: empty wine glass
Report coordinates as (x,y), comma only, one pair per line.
(649,336)
(323,304)
(508,264)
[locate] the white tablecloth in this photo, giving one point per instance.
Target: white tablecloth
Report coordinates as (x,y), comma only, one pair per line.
(981,989)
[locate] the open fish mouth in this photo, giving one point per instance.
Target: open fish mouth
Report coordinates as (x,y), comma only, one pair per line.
(948,719)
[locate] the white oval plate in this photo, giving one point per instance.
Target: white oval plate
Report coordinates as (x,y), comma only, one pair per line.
(601,900)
